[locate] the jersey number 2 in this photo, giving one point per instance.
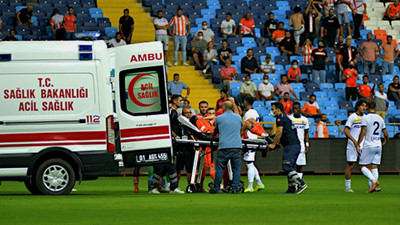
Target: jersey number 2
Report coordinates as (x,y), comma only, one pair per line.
(376,129)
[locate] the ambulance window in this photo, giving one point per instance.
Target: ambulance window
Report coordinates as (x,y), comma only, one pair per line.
(143,91)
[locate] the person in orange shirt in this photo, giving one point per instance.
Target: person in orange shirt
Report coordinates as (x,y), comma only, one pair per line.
(365,91)
(350,75)
(287,104)
(69,24)
(392,12)
(247,27)
(311,108)
(322,131)
(278,35)
(294,73)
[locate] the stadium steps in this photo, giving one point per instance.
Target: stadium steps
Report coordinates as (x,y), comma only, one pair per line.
(200,88)
(144,29)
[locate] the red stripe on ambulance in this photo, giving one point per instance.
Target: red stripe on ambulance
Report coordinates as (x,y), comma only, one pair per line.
(61,136)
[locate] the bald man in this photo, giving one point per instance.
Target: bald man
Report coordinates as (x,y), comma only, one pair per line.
(228,126)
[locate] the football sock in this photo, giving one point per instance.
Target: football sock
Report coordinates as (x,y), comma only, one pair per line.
(257,176)
(212,173)
(348,183)
(250,186)
(368,174)
(300,175)
(375,172)
(250,172)
(136,182)
(369,183)
(296,179)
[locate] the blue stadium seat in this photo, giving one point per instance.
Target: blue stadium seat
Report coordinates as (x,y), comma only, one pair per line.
(340,86)
(256,76)
(271,50)
(279,69)
(110,31)
(329,103)
(262,111)
(333,131)
(97,16)
(282,60)
(311,87)
(305,95)
(298,86)
(386,78)
(95,11)
(18,8)
(259,104)
(346,105)
(320,94)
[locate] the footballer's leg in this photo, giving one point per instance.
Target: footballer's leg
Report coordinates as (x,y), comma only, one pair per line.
(260,186)
(136,178)
(250,176)
(347,175)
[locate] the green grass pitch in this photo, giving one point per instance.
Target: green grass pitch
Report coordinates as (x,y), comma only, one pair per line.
(110,200)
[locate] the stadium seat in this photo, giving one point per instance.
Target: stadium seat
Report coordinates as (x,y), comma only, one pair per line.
(320,94)
(256,76)
(311,87)
(326,86)
(346,105)
(281,60)
(259,104)
(305,95)
(110,31)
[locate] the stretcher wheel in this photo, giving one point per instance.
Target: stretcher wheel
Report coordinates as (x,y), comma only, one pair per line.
(191,188)
(199,188)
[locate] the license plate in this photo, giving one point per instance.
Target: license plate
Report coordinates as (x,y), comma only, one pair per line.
(145,158)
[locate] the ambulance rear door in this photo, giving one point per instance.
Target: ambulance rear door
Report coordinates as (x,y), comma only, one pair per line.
(141,104)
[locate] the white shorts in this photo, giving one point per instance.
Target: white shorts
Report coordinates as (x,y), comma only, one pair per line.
(371,155)
(164,40)
(301,159)
(250,156)
(351,154)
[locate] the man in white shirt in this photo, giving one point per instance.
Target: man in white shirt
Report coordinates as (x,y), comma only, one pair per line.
(228,27)
(352,131)
(266,90)
(117,41)
(161,26)
(208,34)
(302,127)
(371,154)
(382,102)
(250,156)
(267,65)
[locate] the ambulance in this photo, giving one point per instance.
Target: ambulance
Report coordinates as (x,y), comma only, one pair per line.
(71,112)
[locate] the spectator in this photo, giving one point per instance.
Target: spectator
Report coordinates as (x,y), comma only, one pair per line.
(247,27)
(296,21)
(69,24)
(11,37)
(282,87)
(267,65)
(322,130)
(209,57)
(228,74)
(392,11)
(287,104)
(278,35)
(175,87)
(224,97)
(347,55)
(382,102)
(266,90)
(288,46)
(389,49)
(310,17)
(330,29)
(161,26)
(24,16)
(350,75)
(126,26)
(311,108)
(198,48)
(180,34)
(117,41)
(56,23)
(307,49)
(327,5)
(248,89)
(318,8)
(208,34)
(319,57)
(343,16)
(294,73)
(228,27)
(365,91)
(338,49)
(248,63)
(394,90)
(270,26)
(368,52)
(224,53)
(359,8)
(186,105)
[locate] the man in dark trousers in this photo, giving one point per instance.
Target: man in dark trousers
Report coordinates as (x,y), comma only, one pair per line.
(287,135)
(160,170)
(330,29)
(228,126)
(126,26)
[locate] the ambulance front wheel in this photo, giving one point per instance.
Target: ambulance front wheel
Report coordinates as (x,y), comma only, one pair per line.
(55,177)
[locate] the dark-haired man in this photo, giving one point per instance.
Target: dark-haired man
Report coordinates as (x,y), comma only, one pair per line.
(126,26)
(286,134)
(228,27)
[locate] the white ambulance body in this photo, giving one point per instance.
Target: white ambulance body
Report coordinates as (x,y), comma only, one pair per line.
(57,112)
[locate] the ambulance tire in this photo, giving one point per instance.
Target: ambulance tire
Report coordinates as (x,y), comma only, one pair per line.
(32,188)
(55,177)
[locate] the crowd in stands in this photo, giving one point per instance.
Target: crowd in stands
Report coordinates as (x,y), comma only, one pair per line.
(321,52)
